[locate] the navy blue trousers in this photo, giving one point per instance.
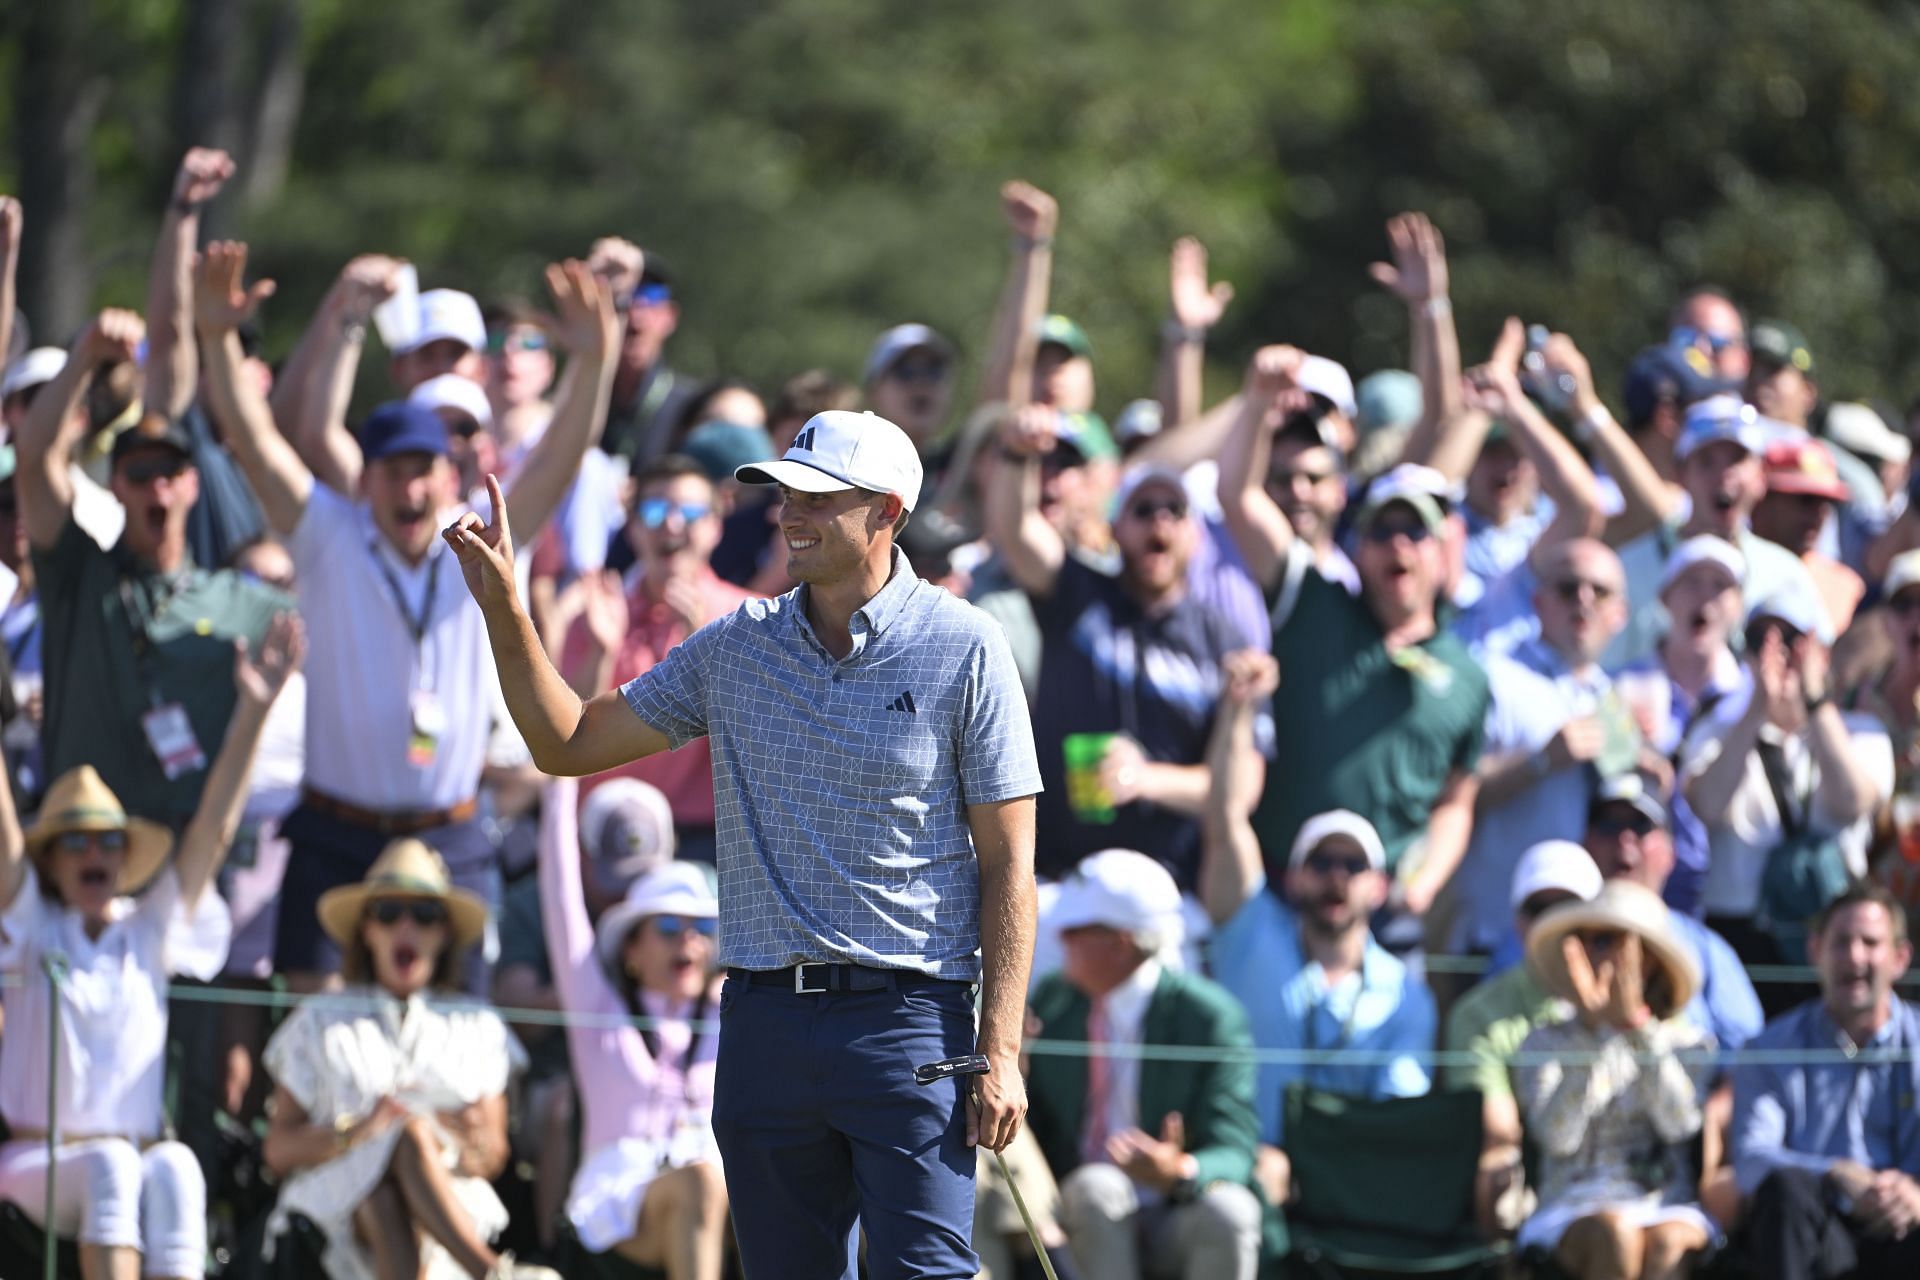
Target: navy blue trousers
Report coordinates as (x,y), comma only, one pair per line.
(822,1127)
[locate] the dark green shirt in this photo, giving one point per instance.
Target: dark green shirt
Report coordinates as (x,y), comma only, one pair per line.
(121,639)
(1356,727)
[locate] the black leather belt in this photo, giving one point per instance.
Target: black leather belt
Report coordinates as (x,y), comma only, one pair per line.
(816,979)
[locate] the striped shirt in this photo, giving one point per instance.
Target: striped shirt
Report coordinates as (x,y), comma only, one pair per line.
(841,787)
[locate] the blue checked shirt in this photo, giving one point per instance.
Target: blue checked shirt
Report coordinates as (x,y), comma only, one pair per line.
(841,787)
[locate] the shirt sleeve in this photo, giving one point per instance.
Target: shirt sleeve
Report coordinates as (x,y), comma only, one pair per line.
(23,920)
(671,695)
(995,748)
(1760,1127)
(293,1058)
(1235,944)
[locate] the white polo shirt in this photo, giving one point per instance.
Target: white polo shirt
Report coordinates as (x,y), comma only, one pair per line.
(369,677)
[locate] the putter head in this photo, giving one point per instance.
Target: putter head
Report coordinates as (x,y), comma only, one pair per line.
(967,1064)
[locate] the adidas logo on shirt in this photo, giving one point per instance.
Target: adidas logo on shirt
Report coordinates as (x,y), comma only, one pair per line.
(904,703)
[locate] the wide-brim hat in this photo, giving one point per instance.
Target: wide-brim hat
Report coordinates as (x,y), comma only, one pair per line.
(673,889)
(405,869)
(79,800)
(1628,908)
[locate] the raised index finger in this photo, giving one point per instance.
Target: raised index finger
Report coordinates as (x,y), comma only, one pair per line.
(499,502)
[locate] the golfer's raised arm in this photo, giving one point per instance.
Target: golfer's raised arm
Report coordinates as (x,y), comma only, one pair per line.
(568,738)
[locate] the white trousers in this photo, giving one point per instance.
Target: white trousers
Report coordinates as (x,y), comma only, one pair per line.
(109,1192)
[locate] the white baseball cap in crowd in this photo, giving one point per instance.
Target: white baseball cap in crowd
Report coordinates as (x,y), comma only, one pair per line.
(841,449)
(1902,572)
(42,364)
(899,340)
(449,313)
(452,391)
(1721,417)
(1797,603)
(1705,548)
(671,889)
(1135,478)
(1555,864)
(1322,827)
(1328,379)
(1120,889)
(1865,434)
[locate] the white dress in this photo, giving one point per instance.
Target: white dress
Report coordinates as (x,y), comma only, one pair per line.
(338,1055)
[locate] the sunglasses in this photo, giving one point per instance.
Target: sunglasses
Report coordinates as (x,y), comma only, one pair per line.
(674,926)
(147,470)
(1384,531)
(498,343)
(1286,479)
(1602,941)
(647,295)
(1688,336)
(1154,508)
(1618,824)
(81,841)
(1569,589)
(422,911)
(927,371)
(654,511)
(1904,605)
(1325,864)
(464,427)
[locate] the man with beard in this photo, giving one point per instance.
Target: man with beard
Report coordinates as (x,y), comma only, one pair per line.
(1803,490)
(400,676)
(139,641)
(909,381)
(1826,1146)
(1552,722)
(1308,970)
(1129,664)
(1307,479)
(1383,709)
(626,630)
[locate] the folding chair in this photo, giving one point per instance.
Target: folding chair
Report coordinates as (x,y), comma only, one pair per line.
(1384,1187)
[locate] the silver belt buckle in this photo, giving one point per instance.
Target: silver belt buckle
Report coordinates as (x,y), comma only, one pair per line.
(800,987)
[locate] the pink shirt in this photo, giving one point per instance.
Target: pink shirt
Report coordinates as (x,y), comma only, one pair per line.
(625,1092)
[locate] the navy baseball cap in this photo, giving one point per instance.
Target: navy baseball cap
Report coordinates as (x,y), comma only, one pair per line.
(398,427)
(1682,374)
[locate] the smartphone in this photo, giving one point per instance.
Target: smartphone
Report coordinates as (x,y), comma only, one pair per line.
(398,318)
(970,1064)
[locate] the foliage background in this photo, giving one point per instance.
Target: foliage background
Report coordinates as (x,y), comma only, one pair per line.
(817,169)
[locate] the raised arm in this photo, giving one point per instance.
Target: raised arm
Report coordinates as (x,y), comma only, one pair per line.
(1230,862)
(259,680)
(44,444)
(590,329)
(13,842)
(1194,307)
(566,737)
(279,479)
(311,395)
(1646,501)
(1003,843)
(11,221)
(1711,790)
(1259,528)
(172,363)
(1032,549)
(1033,216)
(1418,277)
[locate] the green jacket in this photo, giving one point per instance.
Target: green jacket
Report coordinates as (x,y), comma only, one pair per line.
(1214,1098)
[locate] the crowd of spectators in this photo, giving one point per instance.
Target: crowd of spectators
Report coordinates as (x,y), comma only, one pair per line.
(1445,710)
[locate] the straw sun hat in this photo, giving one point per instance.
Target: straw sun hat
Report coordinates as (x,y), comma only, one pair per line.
(79,800)
(1624,907)
(404,869)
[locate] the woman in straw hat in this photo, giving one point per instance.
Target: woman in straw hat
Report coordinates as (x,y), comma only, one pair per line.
(1608,1095)
(71,891)
(389,1115)
(650,1187)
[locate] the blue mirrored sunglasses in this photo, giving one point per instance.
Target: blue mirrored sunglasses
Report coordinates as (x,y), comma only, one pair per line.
(654,511)
(674,926)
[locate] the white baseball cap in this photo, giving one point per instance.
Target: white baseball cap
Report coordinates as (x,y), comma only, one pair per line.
(1721,417)
(449,313)
(673,889)
(840,449)
(1902,572)
(1327,378)
(1120,889)
(1323,827)
(1555,864)
(1865,434)
(451,391)
(1705,548)
(42,364)
(899,340)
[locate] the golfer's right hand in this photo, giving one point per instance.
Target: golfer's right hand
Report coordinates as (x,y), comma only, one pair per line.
(996,1106)
(486,551)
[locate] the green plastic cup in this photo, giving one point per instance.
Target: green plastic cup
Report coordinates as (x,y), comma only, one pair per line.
(1086,795)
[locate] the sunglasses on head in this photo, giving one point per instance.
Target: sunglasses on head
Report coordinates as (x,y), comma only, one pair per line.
(1322,863)
(1154,508)
(147,470)
(81,841)
(422,911)
(654,511)
(674,926)
(1568,589)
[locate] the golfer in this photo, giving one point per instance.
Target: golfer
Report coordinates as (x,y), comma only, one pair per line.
(874,777)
